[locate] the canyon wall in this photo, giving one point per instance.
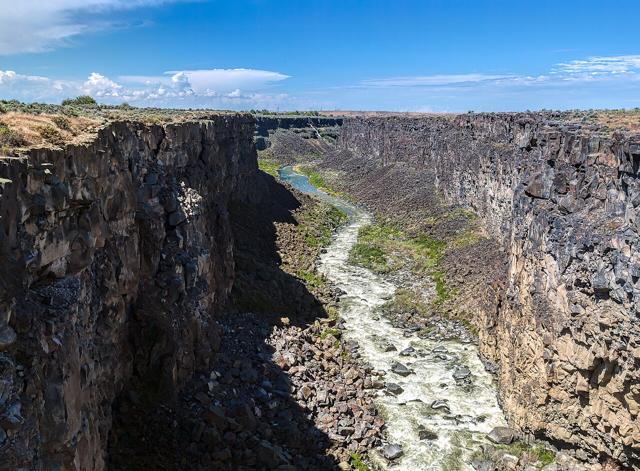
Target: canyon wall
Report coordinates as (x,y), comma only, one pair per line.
(266,124)
(562,202)
(116,256)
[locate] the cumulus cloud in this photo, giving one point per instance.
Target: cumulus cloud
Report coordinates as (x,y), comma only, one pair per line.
(9,77)
(31,87)
(99,86)
(233,88)
(37,25)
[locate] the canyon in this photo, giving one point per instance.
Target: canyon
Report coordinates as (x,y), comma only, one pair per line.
(151,253)
(560,201)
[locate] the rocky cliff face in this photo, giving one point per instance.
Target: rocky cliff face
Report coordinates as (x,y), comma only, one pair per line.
(267,124)
(562,201)
(116,255)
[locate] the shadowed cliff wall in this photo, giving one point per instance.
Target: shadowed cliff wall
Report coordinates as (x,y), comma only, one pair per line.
(115,257)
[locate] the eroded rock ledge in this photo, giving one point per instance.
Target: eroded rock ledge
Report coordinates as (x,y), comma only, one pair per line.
(562,202)
(115,256)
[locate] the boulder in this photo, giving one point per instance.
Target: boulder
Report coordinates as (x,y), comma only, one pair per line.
(461,373)
(501,435)
(392,451)
(400,369)
(394,389)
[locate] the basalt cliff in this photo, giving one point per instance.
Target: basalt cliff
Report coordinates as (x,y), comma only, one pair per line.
(115,257)
(556,299)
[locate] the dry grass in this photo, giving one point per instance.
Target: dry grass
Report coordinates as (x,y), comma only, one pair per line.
(629,119)
(21,130)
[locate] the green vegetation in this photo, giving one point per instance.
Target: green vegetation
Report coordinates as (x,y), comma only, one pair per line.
(319,224)
(10,138)
(427,251)
(406,300)
(269,166)
(331,331)
(356,463)
(384,248)
(312,280)
(375,244)
(463,213)
(51,135)
(443,293)
(536,453)
(369,256)
(62,123)
(83,100)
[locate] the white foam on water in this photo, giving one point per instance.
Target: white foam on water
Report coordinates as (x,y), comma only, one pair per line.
(473,409)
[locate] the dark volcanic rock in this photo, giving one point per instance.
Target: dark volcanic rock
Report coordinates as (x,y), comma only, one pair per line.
(394,388)
(101,286)
(501,435)
(400,369)
(392,451)
(559,205)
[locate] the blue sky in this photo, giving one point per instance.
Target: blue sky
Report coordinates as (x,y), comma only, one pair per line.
(398,55)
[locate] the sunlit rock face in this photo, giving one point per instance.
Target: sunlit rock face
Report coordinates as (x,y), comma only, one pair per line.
(115,255)
(562,201)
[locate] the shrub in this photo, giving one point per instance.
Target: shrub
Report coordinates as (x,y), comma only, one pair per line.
(356,462)
(51,135)
(82,100)
(11,137)
(62,122)
(369,256)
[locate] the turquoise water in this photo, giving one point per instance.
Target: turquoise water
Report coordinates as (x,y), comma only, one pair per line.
(302,184)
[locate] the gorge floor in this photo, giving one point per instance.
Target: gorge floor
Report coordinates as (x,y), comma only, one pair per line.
(439,401)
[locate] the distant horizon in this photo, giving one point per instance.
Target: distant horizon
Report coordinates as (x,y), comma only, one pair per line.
(334,111)
(377,55)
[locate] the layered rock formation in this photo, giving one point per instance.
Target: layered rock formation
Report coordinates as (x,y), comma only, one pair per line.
(308,127)
(115,255)
(562,202)
(267,124)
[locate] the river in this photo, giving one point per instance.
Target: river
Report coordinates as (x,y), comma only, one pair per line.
(448,402)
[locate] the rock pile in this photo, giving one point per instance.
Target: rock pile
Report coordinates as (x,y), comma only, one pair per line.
(280,397)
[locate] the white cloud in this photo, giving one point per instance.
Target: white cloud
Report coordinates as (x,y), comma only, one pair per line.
(99,86)
(591,70)
(31,87)
(599,65)
(228,80)
(227,88)
(9,77)
(40,25)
